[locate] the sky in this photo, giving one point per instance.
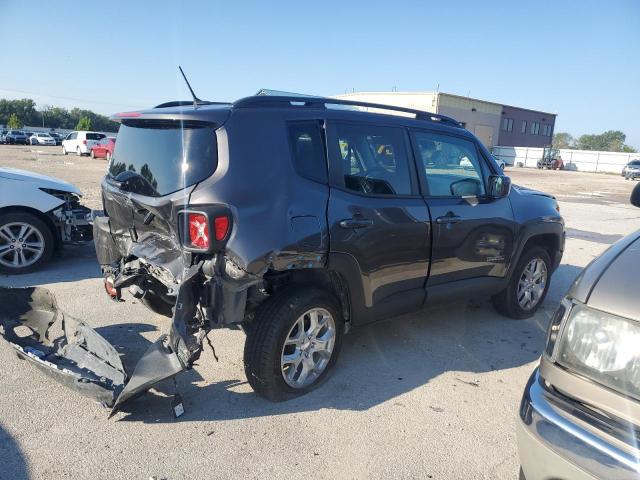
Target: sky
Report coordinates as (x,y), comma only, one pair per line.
(579,59)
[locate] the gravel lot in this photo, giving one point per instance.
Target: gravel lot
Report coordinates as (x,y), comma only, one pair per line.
(431,395)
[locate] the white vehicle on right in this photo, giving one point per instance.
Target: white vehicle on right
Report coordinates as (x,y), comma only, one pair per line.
(81,142)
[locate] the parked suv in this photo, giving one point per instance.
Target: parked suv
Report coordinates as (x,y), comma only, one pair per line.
(81,143)
(16,137)
(295,221)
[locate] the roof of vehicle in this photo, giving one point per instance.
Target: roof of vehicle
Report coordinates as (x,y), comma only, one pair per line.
(219,111)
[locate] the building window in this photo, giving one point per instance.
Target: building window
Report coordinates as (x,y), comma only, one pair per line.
(535,128)
(524,127)
(507,124)
(546,131)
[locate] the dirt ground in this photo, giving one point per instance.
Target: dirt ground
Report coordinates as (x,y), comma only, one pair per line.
(430,395)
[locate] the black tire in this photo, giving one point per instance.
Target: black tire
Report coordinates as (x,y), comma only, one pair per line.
(266,337)
(506,302)
(156,304)
(39,225)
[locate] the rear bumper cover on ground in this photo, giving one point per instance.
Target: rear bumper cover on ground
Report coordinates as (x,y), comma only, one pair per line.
(554,444)
(82,359)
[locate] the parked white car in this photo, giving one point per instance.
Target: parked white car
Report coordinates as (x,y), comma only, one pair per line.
(37,215)
(42,139)
(81,142)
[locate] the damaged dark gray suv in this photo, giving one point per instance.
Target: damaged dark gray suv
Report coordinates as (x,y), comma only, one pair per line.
(295,218)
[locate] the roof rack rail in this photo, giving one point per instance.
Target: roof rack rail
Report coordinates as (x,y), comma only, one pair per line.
(184,103)
(322,102)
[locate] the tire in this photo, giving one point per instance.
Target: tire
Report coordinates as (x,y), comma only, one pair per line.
(507,302)
(78,152)
(276,322)
(10,226)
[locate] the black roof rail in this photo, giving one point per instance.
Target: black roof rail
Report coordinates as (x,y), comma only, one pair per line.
(322,102)
(183,103)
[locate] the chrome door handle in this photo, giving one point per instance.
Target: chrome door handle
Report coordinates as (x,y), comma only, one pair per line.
(355,223)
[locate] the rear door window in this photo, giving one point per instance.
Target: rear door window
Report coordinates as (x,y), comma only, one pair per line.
(95,136)
(155,158)
(374,159)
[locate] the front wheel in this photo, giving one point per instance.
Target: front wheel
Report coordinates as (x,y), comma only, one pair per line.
(294,343)
(25,243)
(527,286)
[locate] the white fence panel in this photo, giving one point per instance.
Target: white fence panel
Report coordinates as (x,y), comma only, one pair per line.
(580,160)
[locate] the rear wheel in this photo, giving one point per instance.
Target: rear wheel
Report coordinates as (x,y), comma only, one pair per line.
(294,343)
(527,287)
(25,243)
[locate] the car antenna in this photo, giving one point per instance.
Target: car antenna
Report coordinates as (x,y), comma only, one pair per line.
(196,100)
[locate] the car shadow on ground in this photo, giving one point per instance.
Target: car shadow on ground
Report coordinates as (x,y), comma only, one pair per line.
(13,461)
(74,263)
(382,361)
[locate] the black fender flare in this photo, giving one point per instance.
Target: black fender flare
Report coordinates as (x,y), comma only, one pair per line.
(533,229)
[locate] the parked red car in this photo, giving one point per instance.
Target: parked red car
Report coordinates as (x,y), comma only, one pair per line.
(104,148)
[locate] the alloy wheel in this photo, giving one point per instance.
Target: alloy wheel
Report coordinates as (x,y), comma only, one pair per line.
(21,245)
(532,283)
(308,348)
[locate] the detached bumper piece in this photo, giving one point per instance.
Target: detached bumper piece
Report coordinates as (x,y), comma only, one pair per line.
(83,360)
(80,359)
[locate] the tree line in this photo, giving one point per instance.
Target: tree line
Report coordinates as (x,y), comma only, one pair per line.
(609,141)
(17,113)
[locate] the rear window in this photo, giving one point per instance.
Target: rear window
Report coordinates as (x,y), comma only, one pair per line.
(95,136)
(156,158)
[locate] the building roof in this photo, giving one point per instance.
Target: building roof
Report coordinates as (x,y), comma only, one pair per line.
(447,94)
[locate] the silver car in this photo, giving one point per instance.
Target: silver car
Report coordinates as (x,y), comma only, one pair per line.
(580,412)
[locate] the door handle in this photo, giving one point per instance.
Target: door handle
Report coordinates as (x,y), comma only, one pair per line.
(356,223)
(448,219)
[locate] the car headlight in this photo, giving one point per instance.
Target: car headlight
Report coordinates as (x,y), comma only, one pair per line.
(602,347)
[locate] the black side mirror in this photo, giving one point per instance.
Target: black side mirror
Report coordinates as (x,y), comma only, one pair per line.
(499,186)
(635,196)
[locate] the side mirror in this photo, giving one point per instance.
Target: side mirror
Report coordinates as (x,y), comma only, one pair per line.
(635,196)
(499,186)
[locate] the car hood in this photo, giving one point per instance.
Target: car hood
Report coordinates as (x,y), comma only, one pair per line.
(610,282)
(38,180)
(531,191)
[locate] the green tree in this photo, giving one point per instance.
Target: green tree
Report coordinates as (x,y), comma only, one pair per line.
(609,141)
(84,124)
(14,122)
(562,140)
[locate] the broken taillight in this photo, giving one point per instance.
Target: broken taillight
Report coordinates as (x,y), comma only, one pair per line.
(221,226)
(205,230)
(199,231)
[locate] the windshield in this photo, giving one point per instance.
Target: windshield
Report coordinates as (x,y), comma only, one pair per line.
(156,158)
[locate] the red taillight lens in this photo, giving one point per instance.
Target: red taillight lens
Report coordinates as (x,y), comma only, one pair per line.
(84,142)
(199,231)
(221,226)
